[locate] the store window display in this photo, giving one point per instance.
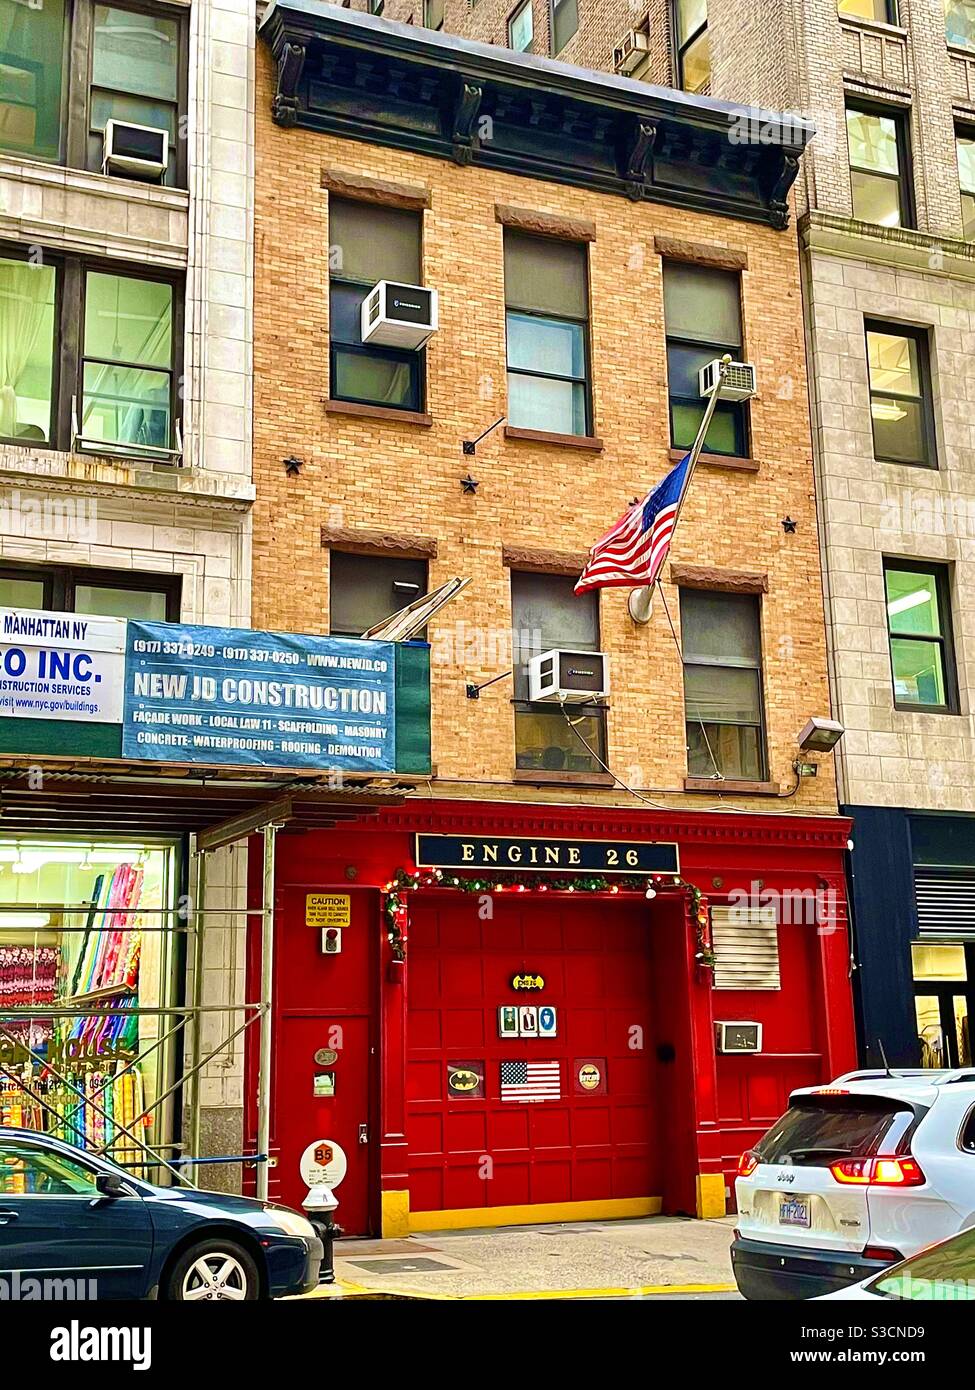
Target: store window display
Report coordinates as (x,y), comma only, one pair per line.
(85,931)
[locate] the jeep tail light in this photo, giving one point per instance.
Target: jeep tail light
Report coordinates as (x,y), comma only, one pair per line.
(747,1163)
(879,1172)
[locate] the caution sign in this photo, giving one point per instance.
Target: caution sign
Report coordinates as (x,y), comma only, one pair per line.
(328,909)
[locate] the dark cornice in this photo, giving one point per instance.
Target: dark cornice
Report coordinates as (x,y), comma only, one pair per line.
(356,75)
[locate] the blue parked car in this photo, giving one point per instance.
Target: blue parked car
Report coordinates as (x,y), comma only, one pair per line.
(68,1215)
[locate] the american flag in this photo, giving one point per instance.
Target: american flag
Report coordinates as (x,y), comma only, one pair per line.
(633,551)
(530,1081)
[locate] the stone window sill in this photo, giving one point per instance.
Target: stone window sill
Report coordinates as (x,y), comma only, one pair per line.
(563,779)
(379,412)
(738,465)
(738,788)
(565,441)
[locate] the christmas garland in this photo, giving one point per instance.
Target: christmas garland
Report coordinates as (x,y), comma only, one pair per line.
(406,881)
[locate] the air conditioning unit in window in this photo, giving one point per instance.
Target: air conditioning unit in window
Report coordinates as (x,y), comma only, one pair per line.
(571,678)
(631,52)
(134,149)
(738,1037)
(740,380)
(399,316)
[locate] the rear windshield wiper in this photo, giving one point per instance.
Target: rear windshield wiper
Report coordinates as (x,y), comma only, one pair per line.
(819,1149)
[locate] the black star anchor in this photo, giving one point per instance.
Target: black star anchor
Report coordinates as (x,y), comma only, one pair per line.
(469,484)
(789,526)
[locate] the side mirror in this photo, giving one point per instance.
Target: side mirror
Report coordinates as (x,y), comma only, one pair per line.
(109,1185)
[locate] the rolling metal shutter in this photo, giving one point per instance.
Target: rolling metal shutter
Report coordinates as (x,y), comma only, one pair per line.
(945,901)
(746,947)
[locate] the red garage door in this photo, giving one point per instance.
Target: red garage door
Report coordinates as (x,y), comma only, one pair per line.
(592,1135)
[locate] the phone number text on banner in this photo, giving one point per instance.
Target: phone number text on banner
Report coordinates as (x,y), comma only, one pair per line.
(230,695)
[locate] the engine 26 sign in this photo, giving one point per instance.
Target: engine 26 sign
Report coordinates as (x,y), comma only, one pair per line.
(555,856)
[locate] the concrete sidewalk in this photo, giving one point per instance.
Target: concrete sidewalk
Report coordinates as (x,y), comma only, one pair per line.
(593,1259)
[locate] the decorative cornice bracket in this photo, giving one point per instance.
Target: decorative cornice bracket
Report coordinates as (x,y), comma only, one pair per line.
(291,61)
(639,155)
(463,134)
(778,202)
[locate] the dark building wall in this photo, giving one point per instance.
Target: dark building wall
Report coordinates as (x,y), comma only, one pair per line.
(884,925)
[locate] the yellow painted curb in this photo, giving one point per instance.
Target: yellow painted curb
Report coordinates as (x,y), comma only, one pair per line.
(341,1289)
(641,1291)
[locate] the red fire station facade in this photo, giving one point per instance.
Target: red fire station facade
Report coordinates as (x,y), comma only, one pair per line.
(497,1013)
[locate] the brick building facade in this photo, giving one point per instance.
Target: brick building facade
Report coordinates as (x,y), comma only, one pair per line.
(460,167)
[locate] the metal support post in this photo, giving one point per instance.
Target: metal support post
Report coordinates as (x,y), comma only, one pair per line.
(267,984)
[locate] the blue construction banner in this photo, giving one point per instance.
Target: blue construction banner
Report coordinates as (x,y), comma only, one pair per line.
(272,699)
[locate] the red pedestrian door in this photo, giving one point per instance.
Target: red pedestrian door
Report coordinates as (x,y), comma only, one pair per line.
(324,1054)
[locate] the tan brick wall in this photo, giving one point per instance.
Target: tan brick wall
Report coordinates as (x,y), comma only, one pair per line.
(391,476)
(602,24)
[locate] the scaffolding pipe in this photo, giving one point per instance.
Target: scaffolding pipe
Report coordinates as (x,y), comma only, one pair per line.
(267,983)
(193,1096)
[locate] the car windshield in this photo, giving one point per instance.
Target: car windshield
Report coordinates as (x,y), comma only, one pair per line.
(817,1130)
(944,1272)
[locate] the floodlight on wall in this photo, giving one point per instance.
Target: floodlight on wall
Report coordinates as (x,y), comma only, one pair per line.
(820,736)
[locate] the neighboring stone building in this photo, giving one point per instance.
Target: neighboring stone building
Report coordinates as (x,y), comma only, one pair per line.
(572,265)
(886,201)
(125,433)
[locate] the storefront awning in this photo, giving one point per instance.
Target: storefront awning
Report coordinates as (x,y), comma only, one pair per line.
(84,797)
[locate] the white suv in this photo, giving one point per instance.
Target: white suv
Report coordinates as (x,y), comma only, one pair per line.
(853,1177)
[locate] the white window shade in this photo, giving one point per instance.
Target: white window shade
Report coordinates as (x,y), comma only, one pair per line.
(746,947)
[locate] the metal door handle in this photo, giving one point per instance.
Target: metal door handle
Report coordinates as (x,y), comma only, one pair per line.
(7,1216)
(363,1134)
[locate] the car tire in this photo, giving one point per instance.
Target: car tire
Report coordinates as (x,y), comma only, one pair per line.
(214,1270)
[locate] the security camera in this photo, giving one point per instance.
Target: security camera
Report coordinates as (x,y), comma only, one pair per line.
(820,736)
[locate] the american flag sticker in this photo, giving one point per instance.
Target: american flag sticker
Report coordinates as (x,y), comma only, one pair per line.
(529,1081)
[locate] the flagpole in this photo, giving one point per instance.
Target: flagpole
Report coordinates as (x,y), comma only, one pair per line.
(640,600)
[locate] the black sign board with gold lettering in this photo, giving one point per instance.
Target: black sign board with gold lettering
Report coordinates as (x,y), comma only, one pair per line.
(489,853)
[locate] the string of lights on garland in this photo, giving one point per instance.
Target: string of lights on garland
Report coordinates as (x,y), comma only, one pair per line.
(406,881)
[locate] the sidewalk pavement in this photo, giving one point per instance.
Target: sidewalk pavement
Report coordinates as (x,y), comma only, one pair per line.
(664,1255)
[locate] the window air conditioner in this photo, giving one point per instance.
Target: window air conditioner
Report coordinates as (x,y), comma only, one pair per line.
(740,381)
(738,1037)
(631,52)
(563,677)
(134,149)
(399,316)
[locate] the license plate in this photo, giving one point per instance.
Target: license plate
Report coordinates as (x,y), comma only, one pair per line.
(793,1212)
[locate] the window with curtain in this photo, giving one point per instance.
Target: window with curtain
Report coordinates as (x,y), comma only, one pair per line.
(721,643)
(546,291)
(546,614)
(27,311)
(693,45)
(433,13)
(32,77)
(960,23)
(702,309)
(127,362)
(365,589)
(900,394)
(919,630)
(369,243)
(565,23)
(135,65)
(965,151)
(879,167)
(521,30)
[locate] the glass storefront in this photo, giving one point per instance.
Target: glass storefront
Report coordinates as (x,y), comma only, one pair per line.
(943,981)
(83,932)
